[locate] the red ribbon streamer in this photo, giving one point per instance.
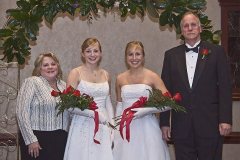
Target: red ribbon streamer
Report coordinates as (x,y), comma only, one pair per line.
(128,116)
(93,107)
(96,120)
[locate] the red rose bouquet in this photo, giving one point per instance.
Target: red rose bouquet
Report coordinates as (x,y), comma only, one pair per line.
(72,98)
(157,101)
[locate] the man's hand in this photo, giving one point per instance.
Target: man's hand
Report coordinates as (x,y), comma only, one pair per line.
(225,129)
(166,133)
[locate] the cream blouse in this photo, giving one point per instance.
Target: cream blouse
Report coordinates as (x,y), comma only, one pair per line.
(36,108)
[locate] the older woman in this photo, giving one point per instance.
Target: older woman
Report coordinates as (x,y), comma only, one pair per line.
(43,133)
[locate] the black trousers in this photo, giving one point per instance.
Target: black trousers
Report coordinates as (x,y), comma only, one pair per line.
(52,142)
(195,147)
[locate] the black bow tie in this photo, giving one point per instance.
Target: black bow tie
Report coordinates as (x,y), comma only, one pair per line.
(195,49)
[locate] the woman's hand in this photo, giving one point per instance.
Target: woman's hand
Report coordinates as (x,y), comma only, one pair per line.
(33,149)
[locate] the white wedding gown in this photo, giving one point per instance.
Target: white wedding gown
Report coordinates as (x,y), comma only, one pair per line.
(146,141)
(80,144)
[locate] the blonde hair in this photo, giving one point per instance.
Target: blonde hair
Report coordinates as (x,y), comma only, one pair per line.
(88,42)
(38,64)
(132,44)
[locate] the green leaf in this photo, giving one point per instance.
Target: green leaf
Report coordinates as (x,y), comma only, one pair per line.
(5,32)
(20,58)
(206,35)
(24,5)
(17,14)
(160,4)
(197,4)
(9,55)
(151,10)
(163,19)
(8,42)
(12,23)
(133,8)
(50,11)
(37,13)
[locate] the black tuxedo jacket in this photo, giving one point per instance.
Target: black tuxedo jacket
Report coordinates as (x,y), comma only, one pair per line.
(208,102)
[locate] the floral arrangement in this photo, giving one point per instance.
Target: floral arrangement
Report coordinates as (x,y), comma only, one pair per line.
(22,26)
(72,98)
(156,99)
(205,52)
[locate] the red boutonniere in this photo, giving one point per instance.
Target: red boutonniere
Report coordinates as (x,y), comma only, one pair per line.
(205,52)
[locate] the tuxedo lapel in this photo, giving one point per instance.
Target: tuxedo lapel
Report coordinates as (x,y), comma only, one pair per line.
(181,65)
(199,67)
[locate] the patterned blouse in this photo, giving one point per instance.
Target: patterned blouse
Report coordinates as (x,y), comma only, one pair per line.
(36,108)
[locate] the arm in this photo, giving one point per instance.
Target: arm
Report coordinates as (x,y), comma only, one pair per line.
(225,93)
(23,108)
(73,78)
(109,106)
(165,117)
(119,108)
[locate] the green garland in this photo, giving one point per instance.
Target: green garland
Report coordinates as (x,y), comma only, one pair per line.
(23,22)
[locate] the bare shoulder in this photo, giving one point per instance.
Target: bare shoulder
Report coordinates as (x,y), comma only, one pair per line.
(105,72)
(151,74)
(122,76)
(75,71)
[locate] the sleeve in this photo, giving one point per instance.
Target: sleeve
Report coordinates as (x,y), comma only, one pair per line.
(85,112)
(88,113)
(165,116)
(119,109)
(110,110)
(225,87)
(141,112)
(25,97)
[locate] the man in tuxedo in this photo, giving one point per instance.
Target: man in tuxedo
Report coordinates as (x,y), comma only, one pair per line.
(199,71)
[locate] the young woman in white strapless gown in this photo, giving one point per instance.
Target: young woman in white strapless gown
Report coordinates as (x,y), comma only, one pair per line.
(146,141)
(94,81)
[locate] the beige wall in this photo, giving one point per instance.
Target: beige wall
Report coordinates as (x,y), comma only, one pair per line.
(66,35)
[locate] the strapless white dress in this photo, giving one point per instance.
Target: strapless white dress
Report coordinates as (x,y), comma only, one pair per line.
(146,141)
(80,144)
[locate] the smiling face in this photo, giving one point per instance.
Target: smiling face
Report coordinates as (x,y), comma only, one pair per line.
(134,55)
(92,54)
(49,69)
(191,28)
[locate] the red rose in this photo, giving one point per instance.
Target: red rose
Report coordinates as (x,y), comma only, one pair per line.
(167,94)
(177,97)
(76,93)
(55,93)
(205,52)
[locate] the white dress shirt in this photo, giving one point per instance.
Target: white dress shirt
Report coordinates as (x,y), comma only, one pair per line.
(191,62)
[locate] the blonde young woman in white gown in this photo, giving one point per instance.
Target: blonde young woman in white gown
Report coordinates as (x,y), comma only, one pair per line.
(89,78)
(146,141)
